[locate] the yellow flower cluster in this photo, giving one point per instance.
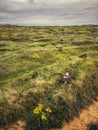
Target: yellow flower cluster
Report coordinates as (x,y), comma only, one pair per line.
(48,110)
(43,116)
(40,110)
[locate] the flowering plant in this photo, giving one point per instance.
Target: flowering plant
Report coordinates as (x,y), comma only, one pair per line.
(42,111)
(41,115)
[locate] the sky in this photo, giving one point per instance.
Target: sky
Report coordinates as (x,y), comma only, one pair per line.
(49,12)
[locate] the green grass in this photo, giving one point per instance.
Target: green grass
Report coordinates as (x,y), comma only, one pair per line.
(33,59)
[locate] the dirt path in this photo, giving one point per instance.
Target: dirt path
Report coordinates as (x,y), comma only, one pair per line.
(87,116)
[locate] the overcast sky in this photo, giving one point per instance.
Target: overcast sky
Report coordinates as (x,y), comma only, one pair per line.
(48,12)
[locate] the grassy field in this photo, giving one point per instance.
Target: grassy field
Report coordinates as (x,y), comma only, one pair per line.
(32,62)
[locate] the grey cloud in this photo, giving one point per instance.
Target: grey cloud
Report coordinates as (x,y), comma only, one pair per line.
(42,12)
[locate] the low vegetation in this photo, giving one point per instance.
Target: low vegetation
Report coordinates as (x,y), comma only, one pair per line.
(33,60)
(93,126)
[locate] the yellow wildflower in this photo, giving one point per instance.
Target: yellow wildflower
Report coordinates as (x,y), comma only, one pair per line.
(43,117)
(48,110)
(38,109)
